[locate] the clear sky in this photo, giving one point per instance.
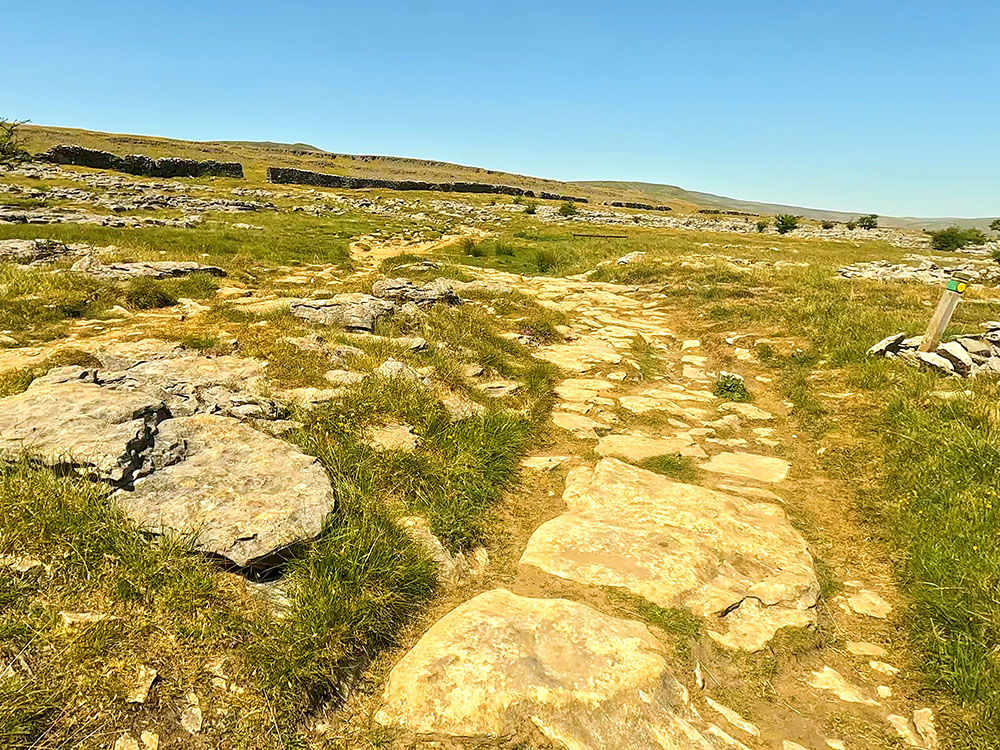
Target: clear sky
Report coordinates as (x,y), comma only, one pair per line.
(878,106)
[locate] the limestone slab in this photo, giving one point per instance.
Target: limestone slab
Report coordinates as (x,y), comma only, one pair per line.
(96,431)
(241,494)
(749,466)
(727,558)
(639,447)
(502,664)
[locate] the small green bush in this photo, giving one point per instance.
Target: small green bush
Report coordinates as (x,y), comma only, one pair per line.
(568,209)
(955,238)
(868,222)
(852,225)
(762,225)
(995,225)
(786,223)
(530,207)
(147,294)
(517,200)
(731,387)
(828,224)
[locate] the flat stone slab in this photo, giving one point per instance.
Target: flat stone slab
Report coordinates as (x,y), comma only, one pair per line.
(581,355)
(243,495)
(640,447)
(582,389)
(502,664)
(749,466)
(579,425)
(99,432)
(733,560)
(644,404)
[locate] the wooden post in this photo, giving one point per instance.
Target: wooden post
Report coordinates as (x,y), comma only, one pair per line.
(942,315)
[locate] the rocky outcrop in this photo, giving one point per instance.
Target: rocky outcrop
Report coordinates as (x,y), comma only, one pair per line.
(352,311)
(501,665)
(139,164)
(402,291)
(157,269)
(283,175)
(732,560)
(236,492)
(40,252)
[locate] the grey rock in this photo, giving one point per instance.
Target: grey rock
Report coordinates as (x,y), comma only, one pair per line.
(238,493)
(193,384)
(955,353)
(352,311)
(888,344)
(159,269)
(936,362)
(402,291)
(65,421)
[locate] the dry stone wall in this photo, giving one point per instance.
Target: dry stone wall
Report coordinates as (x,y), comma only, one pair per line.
(287,176)
(139,164)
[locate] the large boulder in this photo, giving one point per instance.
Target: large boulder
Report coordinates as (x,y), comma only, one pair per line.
(66,422)
(352,311)
(503,665)
(240,494)
(731,559)
(402,291)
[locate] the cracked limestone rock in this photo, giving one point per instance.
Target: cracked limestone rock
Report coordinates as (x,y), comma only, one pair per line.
(352,311)
(243,495)
(97,432)
(727,558)
(501,664)
(402,291)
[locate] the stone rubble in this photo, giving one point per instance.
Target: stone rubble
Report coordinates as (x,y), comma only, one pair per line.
(967,355)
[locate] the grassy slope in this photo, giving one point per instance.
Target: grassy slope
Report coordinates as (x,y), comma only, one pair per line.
(256,157)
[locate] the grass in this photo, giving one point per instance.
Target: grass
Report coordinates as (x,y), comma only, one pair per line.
(681,468)
(17,381)
(681,626)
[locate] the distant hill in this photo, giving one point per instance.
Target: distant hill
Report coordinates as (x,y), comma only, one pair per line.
(274,146)
(665,193)
(256,156)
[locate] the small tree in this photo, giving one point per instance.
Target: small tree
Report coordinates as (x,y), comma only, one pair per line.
(851,225)
(530,207)
(868,222)
(762,225)
(786,223)
(568,209)
(11,152)
(995,225)
(828,224)
(955,238)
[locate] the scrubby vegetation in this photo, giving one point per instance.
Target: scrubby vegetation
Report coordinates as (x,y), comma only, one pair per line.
(786,223)
(955,238)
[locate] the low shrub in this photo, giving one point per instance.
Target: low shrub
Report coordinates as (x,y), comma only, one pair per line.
(148,294)
(786,223)
(955,238)
(568,209)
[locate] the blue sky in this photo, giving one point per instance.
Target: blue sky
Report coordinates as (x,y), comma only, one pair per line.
(889,107)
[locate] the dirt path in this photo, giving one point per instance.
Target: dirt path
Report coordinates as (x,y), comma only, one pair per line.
(785,656)
(370,251)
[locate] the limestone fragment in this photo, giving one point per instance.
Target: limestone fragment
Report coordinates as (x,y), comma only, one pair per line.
(143,682)
(833,681)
